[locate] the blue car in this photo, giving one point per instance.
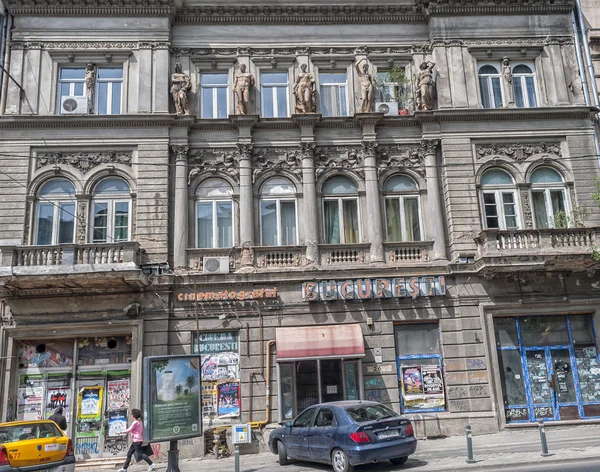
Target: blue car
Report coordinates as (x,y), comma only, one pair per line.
(345,434)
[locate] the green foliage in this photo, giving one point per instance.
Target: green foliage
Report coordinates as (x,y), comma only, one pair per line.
(190,381)
(396,75)
(178,390)
(576,219)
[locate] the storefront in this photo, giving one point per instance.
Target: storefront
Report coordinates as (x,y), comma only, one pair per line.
(549,367)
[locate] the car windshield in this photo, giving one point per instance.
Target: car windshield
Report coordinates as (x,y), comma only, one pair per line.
(21,432)
(364,413)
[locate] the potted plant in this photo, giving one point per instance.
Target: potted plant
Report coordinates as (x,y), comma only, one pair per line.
(401,86)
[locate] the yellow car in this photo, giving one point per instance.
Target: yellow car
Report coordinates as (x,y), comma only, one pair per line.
(35,446)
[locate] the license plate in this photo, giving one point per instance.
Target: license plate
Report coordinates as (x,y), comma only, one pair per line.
(391,433)
(51,447)
(44,470)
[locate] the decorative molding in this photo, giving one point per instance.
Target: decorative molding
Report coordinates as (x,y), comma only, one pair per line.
(292,52)
(82,222)
(214,161)
(518,152)
(343,157)
(83,8)
(401,156)
(526,206)
(473,7)
(27,226)
(508,42)
(277,159)
(307,149)
(83,160)
(180,152)
(368,149)
(429,146)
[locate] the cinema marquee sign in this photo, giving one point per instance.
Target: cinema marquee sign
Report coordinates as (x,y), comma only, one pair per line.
(365,289)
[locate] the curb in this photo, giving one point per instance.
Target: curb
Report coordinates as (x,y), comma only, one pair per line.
(508,466)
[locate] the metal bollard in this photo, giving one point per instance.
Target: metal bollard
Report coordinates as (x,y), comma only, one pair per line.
(542,428)
(236,458)
(470,459)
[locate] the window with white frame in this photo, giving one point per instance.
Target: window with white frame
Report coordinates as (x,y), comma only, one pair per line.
(390,90)
(71,83)
(274,94)
(523,78)
(549,199)
(490,86)
(334,99)
(499,200)
(278,223)
(402,209)
(214,95)
(340,211)
(109,84)
(55,213)
(214,214)
(111,209)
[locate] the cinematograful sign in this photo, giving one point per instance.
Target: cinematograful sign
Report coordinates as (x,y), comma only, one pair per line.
(228,295)
(364,289)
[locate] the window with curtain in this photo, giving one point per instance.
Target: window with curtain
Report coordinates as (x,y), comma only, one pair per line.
(278,223)
(489,85)
(334,100)
(524,86)
(402,209)
(274,94)
(213,95)
(214,214)
(55,213)
(548,198)
(340,211)
(499,200)
(111,209)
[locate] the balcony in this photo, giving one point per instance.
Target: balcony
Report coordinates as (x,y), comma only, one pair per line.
(548,249)
(69,267)
(399,253)
(344,254)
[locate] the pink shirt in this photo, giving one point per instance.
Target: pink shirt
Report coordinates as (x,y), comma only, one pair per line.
(137,431)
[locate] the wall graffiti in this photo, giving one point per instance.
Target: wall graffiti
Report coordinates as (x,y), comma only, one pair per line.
(157,454)
(374,382)
(476,364)
(115,446)
(87,446)
(378,395)
(543,412)
(517,414)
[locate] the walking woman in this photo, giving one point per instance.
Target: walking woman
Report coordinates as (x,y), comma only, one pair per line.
(137,437)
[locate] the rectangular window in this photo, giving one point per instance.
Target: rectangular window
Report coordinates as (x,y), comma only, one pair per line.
(71,83)
(278,222)
(341,221)
(333,94)
(100,223)
(213,95)
(109,83)
(121,230)
(214,224)
(403,220)
(500,210)
(66,224)
(390,90)
(274,94)
(420,367)
(111,222)
(45,223)
(548,206)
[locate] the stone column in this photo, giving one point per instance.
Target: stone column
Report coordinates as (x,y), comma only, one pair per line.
(373,201)
(434,213)
(309,197)
(180,233)
(246,196)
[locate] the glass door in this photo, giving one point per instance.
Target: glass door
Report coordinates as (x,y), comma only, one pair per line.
(563,384)
(539,383)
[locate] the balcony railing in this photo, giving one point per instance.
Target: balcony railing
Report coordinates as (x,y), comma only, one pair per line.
(406,252)
(334,254)
(281,256)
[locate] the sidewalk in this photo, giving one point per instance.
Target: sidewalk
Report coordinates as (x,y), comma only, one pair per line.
(506,450)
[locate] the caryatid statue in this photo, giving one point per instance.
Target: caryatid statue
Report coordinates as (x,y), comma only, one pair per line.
(304,90)
(366,87)
(180,86)
(244,81)
(507,75)
(425,86)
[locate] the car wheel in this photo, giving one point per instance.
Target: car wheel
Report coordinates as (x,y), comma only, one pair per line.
(282,453)
(399,460)
(340,461)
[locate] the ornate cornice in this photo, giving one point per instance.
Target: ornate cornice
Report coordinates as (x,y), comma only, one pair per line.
(518,152)
(83,161)
(342,157)
(84,8)
(180,152)
(89,45)
(477,7)
(277,160)
(400,156)
(293,51)
(214,161)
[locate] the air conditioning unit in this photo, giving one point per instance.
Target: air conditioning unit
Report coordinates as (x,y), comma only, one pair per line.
(387,108)
(74,106)
(215,265)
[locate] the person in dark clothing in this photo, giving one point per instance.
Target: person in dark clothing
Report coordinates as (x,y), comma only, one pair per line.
(59,419)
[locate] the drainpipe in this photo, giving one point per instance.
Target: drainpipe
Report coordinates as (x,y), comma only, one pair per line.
(588,54)
(584,83)
(6,57)
(267,420)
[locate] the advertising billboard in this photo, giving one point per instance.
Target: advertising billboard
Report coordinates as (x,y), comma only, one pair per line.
(172,398)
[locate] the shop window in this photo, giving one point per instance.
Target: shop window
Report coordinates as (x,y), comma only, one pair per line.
(213,95)
(582,329)
(55,213)
(419,362)
(489,85)
(45,354)
(499,200)
(334,100)
(402,209)
(274,94)
(549,199)
(104,350)
(544,330)
(214,214)
(340,211)
(278,224)
(506,332)
(511,377)
(111,209)
(524,86)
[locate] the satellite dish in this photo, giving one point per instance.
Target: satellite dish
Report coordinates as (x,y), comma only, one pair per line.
(383,108)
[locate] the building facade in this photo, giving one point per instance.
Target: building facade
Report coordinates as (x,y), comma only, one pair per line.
(232,180)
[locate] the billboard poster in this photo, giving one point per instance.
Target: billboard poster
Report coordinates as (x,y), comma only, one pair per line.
(55,397)
(117,394)
(31,397)
(432,380)
(89,402)
(412,380)
(172,398)
(422,387)
(228,394)
(117,422)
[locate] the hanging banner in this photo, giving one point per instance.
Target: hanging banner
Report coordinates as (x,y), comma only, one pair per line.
(117,394)
(228,395)
(172,398)
(117,422)
(89,403)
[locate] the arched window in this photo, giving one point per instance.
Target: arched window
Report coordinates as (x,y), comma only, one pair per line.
(549,199)
(278,225)
(524,86)
(111,209)
(489,83)
(340,211)
(499,200)
(402,209)
(55,213)
(214,214)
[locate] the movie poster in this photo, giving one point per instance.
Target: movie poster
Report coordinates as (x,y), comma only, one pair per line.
(31,397)
(117,394)
(422,387)
(117,422)
(55,397)
(90,402)
(432,380)
(228,399)
(412,380)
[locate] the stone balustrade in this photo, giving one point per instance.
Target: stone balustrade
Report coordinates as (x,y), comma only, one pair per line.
(343,254)
(408,252)
(280,256)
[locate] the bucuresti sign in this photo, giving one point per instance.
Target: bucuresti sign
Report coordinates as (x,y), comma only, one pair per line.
(364,289)
(231,295)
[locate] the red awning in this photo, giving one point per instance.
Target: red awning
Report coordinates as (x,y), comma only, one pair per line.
(343,340)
